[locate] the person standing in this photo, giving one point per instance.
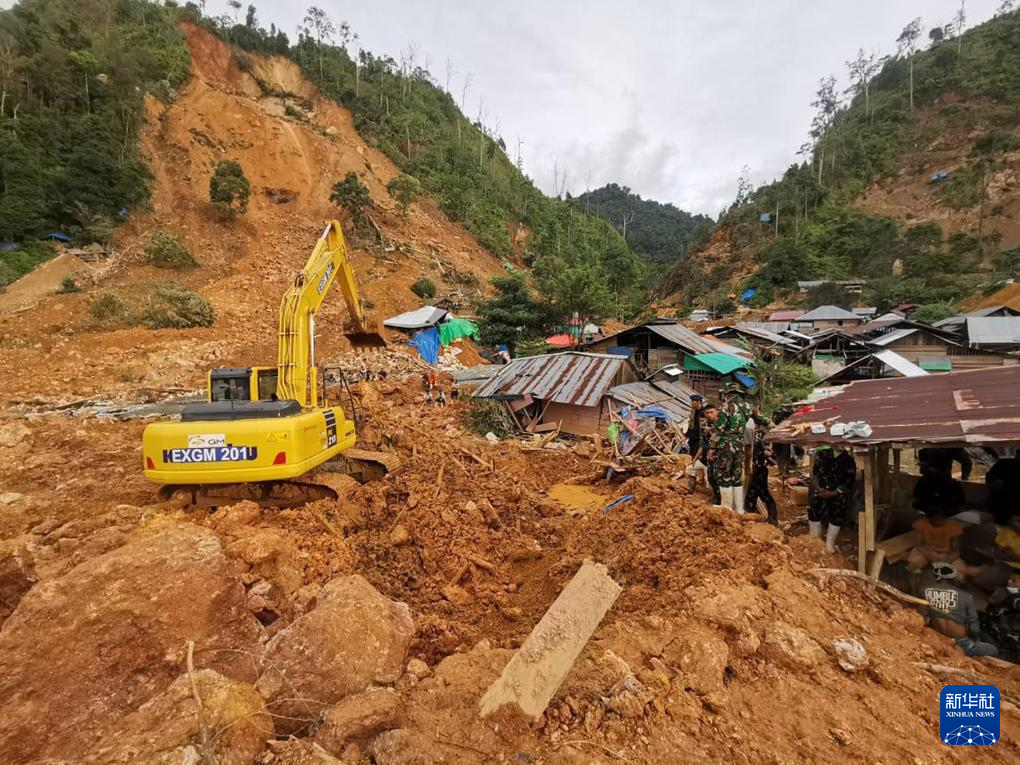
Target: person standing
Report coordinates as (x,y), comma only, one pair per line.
(758,486)
(831,486)
(727,452)
(708,426)
(694,441)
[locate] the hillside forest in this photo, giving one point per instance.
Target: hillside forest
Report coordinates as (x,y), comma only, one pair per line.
(941,114)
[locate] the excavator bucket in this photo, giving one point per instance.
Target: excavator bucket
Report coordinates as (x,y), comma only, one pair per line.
(365,336)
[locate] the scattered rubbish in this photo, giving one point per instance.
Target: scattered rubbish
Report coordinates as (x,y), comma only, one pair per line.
(533,674)
(615,502)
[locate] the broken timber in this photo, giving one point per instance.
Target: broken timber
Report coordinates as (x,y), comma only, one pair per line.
(532,676)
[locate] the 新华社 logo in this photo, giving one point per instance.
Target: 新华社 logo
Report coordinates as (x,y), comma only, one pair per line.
(969,715)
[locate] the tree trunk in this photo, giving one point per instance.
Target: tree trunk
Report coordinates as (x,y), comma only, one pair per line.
(911,83)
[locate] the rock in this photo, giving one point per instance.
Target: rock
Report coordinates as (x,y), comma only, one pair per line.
(457,595)
(791,647)
(10,497)
(271,556)
(418,668)
(14,434)
(407,747)
(399,535)
(352,638)
(360,716)
(166,728)
(850,654)
(700,656)
(118,625)
(17,575)
(232,518)
(331,130)
(840,736)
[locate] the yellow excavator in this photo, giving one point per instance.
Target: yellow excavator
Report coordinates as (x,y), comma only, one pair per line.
(263,427)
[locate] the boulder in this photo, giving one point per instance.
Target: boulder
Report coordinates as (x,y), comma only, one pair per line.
(354,637)
(270,555)
(84,649)
(699,655)
(791,647)
(359,717)
(233,728)
(17,575)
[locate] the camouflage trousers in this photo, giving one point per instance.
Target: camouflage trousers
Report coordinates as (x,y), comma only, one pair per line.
(729,465)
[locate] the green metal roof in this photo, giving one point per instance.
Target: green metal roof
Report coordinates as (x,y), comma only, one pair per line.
(935,363)
(720,363)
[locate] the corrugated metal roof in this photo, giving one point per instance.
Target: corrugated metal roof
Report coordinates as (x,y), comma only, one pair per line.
(905,367)
(764,333)
(993,330)
(574,378)
(892,337)
(426,316)
(674,398)
(790,315)
(974,407)
(774,327)
(829,313)
(691,341)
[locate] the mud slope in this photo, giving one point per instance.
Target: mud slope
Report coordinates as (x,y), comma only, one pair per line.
(245,266)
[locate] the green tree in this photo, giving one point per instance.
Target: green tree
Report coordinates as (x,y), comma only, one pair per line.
(933,312)
(22,200)
(514,315)
(229,188)
(352,195)
(405,190)
(828,293)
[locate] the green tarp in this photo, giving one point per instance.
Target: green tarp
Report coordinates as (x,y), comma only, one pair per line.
(720,363)
(454,329)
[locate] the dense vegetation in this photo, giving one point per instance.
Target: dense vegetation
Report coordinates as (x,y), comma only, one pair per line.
(661,232)
(73,76)
(811,230)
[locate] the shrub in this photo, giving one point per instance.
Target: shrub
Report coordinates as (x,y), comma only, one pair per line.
(174,306)
(108,310)
(164,250)
(352,195)
(424,288)
(404,189)
(229,188)
(68,285)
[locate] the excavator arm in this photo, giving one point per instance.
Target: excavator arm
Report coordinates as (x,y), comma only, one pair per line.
(329,261)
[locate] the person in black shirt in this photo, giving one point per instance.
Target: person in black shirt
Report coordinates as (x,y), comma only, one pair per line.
(758,485)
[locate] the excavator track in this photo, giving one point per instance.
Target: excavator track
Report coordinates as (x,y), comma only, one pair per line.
(361,465)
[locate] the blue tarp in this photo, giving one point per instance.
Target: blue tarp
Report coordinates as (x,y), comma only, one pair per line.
(621,350)
(746,380)
(58,236)
(748,294)
(427,343)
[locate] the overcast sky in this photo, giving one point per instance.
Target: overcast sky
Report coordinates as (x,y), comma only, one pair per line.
(671,98)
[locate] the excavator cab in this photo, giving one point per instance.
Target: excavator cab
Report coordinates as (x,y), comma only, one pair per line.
(243,384)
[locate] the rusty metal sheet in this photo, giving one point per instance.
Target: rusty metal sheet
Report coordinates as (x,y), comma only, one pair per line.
(574,378)
(959,408)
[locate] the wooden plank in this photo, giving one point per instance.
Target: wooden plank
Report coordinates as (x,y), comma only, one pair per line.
(535,672)
(869,498)
(862,543)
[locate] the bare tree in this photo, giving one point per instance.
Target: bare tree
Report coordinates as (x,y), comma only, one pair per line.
(450,72)
(236,5)
(1006,6)
(468,79)
(318,25)
(827,103)
(8,65)
(517,161)
(960,21)
(907,42)
(862,69)
(628,217)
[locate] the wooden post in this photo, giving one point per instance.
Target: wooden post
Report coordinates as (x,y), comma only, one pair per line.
(866,519)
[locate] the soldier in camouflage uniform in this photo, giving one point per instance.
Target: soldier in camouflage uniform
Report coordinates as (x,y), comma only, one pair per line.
(727,450)
(758,485)
(710,416)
